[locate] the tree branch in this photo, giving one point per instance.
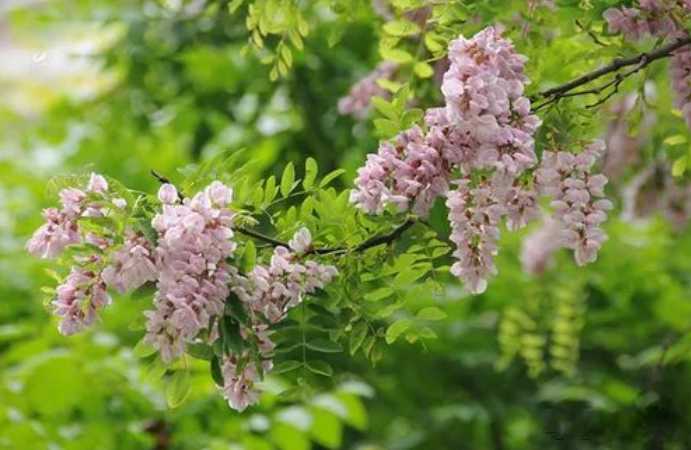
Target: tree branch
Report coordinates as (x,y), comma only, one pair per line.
(371,242)
(639,61)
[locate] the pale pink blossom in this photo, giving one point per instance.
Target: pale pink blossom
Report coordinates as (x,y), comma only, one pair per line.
(79,299)
(167,194)
(132,265)
(680,77)
(51,238)
(474,217)
(539,247)
(195,238)
(302,241)
(577,199)
(358,100)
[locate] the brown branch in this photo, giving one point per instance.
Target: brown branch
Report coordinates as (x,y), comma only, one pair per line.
(371,242)
(639,61)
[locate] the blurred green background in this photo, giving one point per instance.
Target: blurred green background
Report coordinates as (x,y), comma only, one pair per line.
(578,358)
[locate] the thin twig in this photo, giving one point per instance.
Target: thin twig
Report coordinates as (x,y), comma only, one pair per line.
(640,61)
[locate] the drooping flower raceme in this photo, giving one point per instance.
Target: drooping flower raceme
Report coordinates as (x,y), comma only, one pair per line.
(482,142)
(83,293)
(539,246)
(190,259)
(485,127)
(269,292)
(577,199)
(194,240)
(359,99)
(131,265)
(410,170)
(474,217)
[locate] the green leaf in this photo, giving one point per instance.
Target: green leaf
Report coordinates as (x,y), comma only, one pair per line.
(178,388)
(385,108)
(287,437)
(357,336)
(326,429)
(675,140)
(156,370)
(423,70)
(330,177)
(311,171)
(249,257)
(232,339)
(409,275)
(146,291)
(216,372)
(379,294)
(286,366)
(270,190)
(411,117)
(401,28)
(679,166)
(235,309)
(324,346)
(143,349)
(427,333)
(389,85)
(200,351)
(386,127)
(396,329)
(396,55)
(234,5)
(319,367)
(431,313)
(288,179)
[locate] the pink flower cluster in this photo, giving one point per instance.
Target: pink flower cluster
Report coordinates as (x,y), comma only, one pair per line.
(654,190)
(680,75)
(577,199)
(475,216)
(358,100)
(80,297)
(486,126)
(190,264)
(409,170)
(239,385)
(623,147)
(539,246)
(194,240)
(268,293)
(652,17)
(485,104)
(131,265)
(83,293)
(661,19)
(61,228)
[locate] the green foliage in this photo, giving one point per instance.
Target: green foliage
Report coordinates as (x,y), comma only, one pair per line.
(599,352)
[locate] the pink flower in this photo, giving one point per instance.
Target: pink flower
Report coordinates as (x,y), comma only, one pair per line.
(474,217)
(577,199)
(195,239)
(410,170)
(539,246)
(680,76)
(357,102)
(302,241)
(167,194)
(97,183)
(131,265)
(79,299)
(58,232)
